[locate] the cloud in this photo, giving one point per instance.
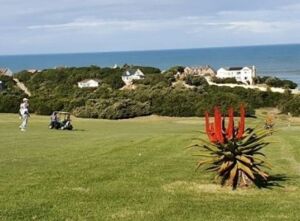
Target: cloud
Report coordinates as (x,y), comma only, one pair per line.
(65,25)
(255,26)
(113,24)
(191,23)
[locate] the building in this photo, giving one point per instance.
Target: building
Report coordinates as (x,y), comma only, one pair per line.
(241,74)
(6,71)
(88,83)
(131,75)
(197,71)
(33,71)
(1,86)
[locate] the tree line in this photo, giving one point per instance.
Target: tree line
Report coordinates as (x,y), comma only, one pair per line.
(56,89)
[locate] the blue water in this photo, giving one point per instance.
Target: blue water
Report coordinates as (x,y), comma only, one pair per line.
(280,60)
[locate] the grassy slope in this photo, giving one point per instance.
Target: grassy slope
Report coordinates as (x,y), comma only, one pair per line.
(132,170)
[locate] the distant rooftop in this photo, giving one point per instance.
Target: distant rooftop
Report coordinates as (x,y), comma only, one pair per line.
(234,68)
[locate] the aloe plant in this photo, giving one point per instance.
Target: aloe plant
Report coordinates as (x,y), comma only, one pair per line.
(233,153)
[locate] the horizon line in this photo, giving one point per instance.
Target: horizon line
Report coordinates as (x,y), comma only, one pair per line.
(151,50)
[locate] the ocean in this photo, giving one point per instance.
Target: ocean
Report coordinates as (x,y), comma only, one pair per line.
(282,61)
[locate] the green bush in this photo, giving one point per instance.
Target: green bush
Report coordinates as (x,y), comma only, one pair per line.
(56,89)
(292,106)
(276,82)
(9,103)
(112,109)
(196,81)
(226,81)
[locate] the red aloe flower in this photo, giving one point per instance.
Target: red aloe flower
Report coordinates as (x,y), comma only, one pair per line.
(230,128)
(217,133)
(218,125)
(241,129)
(210,131)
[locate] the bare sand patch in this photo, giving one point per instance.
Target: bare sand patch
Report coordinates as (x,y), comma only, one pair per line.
(192,187)
(78,189)
(127,213)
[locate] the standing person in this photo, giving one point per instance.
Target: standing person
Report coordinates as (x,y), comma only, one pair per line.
(24,112)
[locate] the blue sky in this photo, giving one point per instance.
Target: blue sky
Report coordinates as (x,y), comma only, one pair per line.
(62,26)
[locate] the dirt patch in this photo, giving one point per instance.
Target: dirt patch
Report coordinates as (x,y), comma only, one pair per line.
(78,189)
(290,189)
(127,213)
(192,187)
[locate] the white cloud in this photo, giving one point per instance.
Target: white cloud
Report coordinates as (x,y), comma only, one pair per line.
(140,24)
(255,26)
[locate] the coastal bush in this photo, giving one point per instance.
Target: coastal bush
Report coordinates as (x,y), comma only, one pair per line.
(147,70)
(56,89)
(47,106)
(276,82)
(112,109)
(225,80)
(9,103)
(196,81)
(10,95)
(291,106)
(124,109)
(153,79)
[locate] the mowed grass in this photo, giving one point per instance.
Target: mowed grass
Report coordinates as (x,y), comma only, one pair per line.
(133,169)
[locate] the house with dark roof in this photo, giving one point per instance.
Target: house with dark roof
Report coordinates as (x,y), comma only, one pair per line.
(241,74)
(130,75)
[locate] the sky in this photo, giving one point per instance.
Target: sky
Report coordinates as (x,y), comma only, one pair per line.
(70,26)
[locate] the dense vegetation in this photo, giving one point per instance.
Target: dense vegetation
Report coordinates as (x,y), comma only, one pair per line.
(276,82)
(56,89)
(226,81)
(10,95)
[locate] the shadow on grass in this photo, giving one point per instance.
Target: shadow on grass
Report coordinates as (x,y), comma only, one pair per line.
(276,180)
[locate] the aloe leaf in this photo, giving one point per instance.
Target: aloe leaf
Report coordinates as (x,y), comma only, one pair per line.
(244,160)
(246,170)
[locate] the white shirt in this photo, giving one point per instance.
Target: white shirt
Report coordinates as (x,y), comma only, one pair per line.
(24,108)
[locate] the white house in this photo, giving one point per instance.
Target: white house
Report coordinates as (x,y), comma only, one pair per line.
(33,71)
(6,71)
(242,74)
(88,83)
(130,75)
(1,85)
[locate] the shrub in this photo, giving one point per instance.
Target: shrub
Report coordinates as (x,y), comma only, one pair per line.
(112,109)
(47,106)
(276,82)
(124,109)
(291,106)
(9,103)
(196,80)
(153,79)
(226,80)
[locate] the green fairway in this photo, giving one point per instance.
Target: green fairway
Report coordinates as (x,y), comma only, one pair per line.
(133,169)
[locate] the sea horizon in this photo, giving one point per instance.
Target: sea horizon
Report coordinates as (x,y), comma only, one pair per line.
(280,60)
(153,50)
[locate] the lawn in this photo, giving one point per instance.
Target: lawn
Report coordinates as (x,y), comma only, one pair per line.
(133,169)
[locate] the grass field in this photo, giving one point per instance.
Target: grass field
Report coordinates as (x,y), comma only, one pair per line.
(133,169)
